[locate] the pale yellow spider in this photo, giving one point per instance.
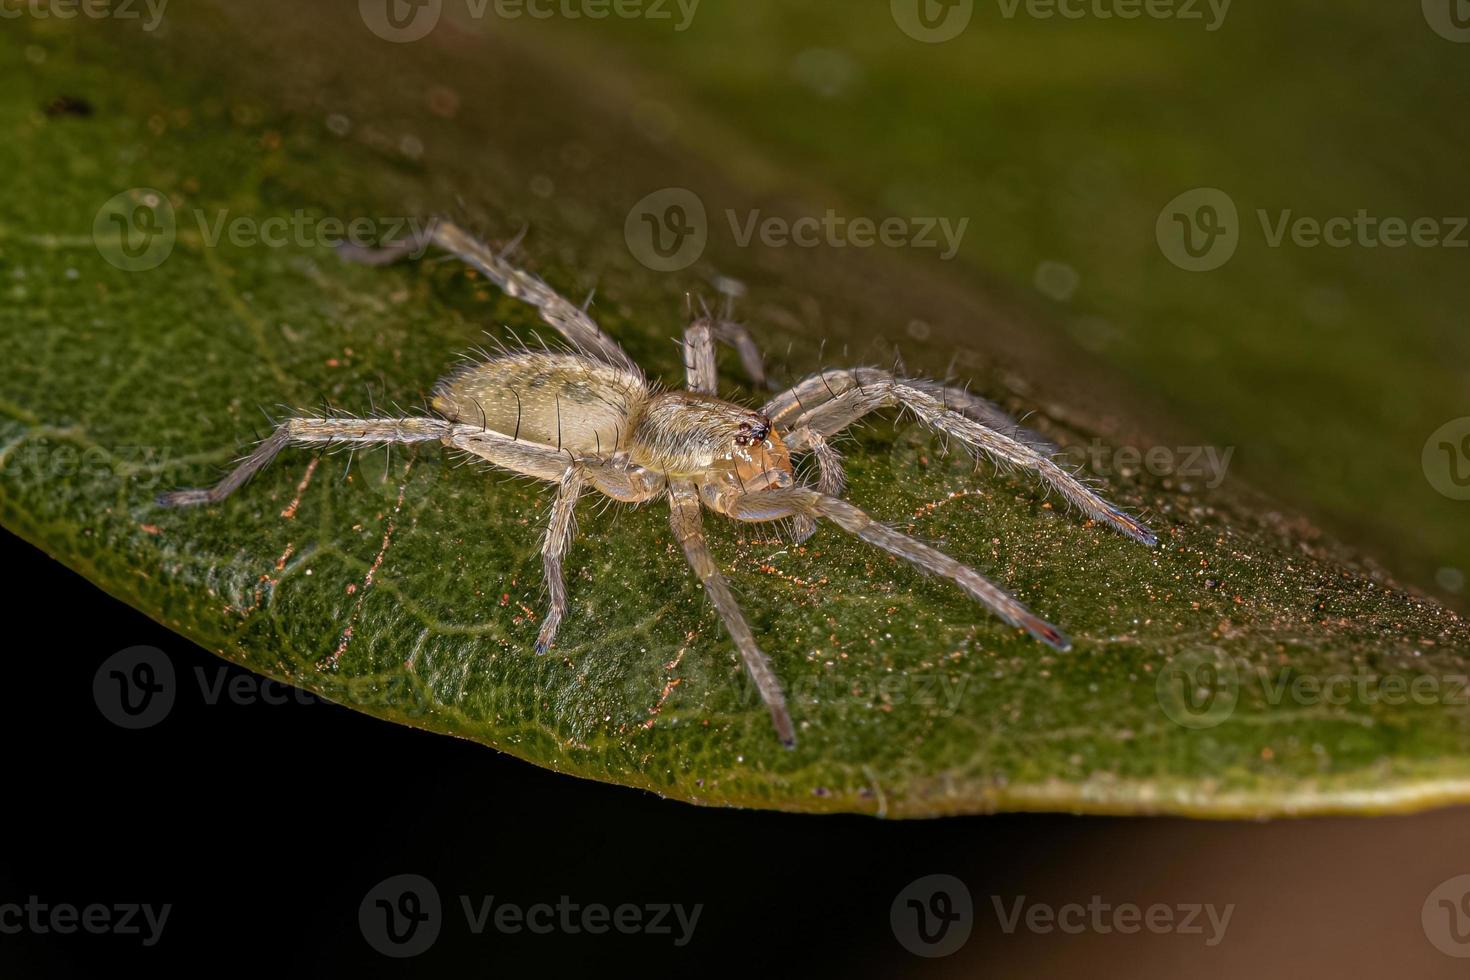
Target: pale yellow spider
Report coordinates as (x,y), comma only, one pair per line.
(588,417)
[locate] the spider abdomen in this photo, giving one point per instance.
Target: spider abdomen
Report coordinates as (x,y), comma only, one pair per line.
(562,400)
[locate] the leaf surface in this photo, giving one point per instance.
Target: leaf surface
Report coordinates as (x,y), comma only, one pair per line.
(1244,667)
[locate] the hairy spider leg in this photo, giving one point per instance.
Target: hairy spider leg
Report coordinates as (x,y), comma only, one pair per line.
(837,413)
(571,321)
(688,525)
(771,504)
(559,533)
(306,431)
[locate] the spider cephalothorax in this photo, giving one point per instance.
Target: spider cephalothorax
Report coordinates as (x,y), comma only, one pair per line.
(588,418)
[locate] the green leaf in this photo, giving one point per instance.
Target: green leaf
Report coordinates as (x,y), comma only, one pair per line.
(1244,667)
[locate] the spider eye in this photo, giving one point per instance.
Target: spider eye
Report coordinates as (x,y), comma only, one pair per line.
(755,429)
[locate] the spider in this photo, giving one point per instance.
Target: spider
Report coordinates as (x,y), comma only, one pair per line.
(587,417)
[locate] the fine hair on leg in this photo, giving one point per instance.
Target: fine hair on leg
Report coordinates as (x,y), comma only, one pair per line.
(688,529)
(307,431)
(571,321)
(836,414)
(785,502)
(700,372)
(826,385)
(559,533)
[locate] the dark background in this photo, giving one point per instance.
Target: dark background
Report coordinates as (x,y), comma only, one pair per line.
(265,859)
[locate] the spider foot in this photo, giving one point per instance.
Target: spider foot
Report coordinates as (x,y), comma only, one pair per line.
(387,253)
(1132,527)
(1046,633)
(547,636)
(183,498)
